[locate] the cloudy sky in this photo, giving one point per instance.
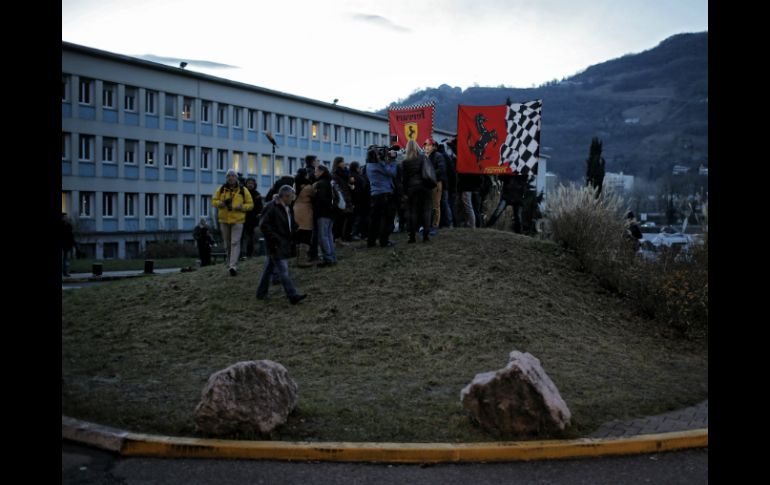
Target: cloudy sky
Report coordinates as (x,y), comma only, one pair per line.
(369,53)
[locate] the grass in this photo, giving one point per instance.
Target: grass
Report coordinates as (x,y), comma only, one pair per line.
(84,265)
(382,346)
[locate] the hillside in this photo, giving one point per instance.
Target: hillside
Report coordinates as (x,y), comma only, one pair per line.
(650,108)
(381,347)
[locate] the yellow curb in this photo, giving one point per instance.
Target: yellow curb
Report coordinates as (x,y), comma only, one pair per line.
(135,444)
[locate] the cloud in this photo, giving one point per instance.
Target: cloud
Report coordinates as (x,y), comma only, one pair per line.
(190,62)
(381,21)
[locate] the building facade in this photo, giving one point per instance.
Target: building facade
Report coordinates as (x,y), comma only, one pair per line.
(145,145)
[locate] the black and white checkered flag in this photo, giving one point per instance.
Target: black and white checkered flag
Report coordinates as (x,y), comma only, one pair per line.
(521,149)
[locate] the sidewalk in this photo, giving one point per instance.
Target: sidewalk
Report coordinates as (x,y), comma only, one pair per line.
(114,275)
(694,417)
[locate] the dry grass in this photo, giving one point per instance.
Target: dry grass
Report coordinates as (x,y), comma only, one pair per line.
(382,346)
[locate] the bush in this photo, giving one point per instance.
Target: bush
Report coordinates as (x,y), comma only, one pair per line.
(170,249)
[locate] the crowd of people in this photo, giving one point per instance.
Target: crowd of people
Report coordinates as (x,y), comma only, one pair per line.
(309,214)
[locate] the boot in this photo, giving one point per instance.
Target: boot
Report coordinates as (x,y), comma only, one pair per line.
(302,256)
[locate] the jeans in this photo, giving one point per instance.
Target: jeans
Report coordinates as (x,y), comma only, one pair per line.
(447,218)
(65,261)
(419,211)
(326,239)
(381,219)
(247,239)
(499,211)
(312,254)
(231,235)
(273,266)
(470,216)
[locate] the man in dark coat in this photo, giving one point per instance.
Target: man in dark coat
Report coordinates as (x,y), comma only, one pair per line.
(277,224)
(204,240)
(512,194)
(252,217)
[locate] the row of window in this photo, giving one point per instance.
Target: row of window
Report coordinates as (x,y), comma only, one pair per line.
(242,162)
(296,126)
(86,208)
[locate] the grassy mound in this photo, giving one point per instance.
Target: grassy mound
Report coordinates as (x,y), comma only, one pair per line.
(382,346)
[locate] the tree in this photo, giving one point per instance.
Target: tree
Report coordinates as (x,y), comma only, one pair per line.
(595,166)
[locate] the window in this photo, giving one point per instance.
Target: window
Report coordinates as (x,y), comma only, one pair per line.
(65,87)
(65,146)
(169,201)
(383,139)
(252,119)
(205,110)
(278,166)
(236,117)
(130,99)
(355,137)
(237,156)
(326,132)
(109,203)
(84,96)
(149,102)
(278,124)
(128,155)
(221,114)
(65,198)
(149,154)
(108,149)
(336,134)
(265,165)
(108,95)
(168,159)
(205,204)
(85,148)
(221,159)
(171,105)
(110,250)
(188,206)
(303,124)
(292,165)
(292,126)
(131,201)
(187,109)
(150,201)
(366,139)
(347,136)
(252,163)
(314,130)
(187,157)
(205,156)
(266,125)
(86,204)
(132,249)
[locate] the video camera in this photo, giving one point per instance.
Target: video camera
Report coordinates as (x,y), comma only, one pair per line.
(385,153)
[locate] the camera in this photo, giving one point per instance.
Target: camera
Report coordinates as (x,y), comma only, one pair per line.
(384,152)
(229,204)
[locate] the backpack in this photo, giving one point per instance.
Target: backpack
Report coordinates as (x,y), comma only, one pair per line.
(338,199)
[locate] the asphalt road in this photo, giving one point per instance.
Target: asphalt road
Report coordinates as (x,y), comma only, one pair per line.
(83,465)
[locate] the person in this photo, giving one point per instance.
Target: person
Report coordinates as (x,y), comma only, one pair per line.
(233,202)
(311,162)
(343,218)
(512,194)
(322,212)
(417,194)
(204,241)
(449,195)
(277,224)
(633,231)
(467,185)
(361,199)
(252,217)
(67,244)
(303,214)
(284,180)
(382,175)
(480,197)
(439,165)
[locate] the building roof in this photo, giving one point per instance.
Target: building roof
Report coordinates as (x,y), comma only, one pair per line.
(219,80)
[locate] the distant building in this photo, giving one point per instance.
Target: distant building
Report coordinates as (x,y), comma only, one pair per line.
(680,170)
(551,181)
(703,170)
(618,182)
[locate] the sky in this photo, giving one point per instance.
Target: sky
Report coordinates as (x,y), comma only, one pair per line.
(370,53)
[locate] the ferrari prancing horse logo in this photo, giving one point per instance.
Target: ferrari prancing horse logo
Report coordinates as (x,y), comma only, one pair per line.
(410,130)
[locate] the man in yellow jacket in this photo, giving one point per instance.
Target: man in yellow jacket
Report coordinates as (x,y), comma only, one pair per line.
(233,202)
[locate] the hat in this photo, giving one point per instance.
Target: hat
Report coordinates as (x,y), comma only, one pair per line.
(429,141)
(231,172)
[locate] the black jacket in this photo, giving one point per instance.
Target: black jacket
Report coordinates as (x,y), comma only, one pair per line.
(440,165)
(468,182)
(514,187)
(451,172)
(67,238)
(361,195)
(252,217)
(274,224)
(411,172)
(285,180)
(342,179)
(322,199)
(202,236)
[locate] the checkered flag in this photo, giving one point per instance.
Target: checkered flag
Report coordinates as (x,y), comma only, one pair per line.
(521,149)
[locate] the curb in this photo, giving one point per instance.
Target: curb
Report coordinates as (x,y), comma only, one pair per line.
(126,443)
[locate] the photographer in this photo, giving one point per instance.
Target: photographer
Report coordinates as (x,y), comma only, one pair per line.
(233,202)
(381,170)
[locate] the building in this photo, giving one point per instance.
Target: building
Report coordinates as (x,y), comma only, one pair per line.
(618,182)
(145,145)
(680,170)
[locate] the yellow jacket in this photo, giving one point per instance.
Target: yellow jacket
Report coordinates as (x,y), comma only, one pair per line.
(241,204)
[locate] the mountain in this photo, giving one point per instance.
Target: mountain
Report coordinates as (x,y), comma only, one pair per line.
(650,109)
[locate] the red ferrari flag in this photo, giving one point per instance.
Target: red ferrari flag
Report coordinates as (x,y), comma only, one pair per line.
(498,139)
(410,123)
